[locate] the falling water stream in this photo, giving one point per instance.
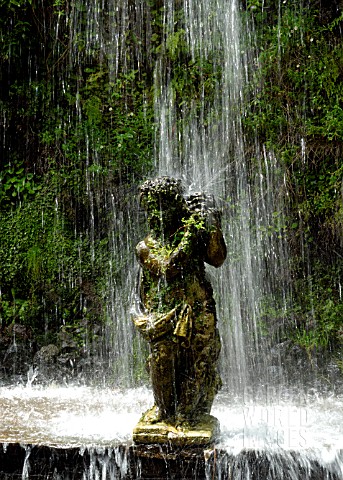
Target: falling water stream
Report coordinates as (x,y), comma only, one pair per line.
(206,149)
(258,408)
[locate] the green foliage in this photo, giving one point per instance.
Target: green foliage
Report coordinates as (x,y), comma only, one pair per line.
(63,148)
(114,135)
(15,28)
(298,78)
(319,311)
(44,268)
(16,186)
(175,44)
(75,129)
(322,328)
(295,110)
(313,317)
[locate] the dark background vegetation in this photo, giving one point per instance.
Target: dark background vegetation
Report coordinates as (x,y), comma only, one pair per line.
(71,131)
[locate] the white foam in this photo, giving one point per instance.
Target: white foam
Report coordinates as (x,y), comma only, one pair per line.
(83,416)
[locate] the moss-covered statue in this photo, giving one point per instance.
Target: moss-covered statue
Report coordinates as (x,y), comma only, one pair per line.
(177,311)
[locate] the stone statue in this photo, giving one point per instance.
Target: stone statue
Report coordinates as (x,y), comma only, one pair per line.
(176,312)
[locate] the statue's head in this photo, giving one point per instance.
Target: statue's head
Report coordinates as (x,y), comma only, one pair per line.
(164,202)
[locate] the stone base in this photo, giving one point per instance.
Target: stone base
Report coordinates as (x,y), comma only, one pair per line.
(160,462)
(204,432)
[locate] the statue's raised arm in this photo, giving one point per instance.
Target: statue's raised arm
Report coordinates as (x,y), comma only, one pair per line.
(204,207)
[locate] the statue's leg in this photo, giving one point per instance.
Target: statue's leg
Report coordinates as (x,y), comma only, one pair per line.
(213,383)
(199,379)
(162,371)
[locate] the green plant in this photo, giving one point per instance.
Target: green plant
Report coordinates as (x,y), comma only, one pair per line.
(321,327)
(317,309)
(45,270)
(16,185)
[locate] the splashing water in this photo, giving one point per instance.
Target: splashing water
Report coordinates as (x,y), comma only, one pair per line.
(84,417)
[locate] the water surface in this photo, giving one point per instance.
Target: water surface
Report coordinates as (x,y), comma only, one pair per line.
(310,424)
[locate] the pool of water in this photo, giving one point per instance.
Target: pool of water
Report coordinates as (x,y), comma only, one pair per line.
(84,417)
(70,416)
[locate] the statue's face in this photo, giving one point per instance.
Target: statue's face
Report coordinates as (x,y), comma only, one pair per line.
(164,214)
(164,203)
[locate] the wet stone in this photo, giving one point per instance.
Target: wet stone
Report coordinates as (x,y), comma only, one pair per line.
(204,432)
(154,462)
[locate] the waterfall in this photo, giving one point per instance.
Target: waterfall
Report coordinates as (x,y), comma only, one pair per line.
(96,34)
(193,61)
(205,146)
(190,62)
(201,141)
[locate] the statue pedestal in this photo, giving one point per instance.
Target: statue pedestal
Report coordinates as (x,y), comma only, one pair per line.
(204,432)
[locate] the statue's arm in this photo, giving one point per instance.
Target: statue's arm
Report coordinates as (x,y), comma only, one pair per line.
(216,248)
(154,326)
(149,260)
(206,237)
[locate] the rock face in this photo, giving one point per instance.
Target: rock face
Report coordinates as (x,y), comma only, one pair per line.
(175,310)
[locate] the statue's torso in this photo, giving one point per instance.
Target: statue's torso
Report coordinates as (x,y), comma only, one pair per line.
(161,292)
